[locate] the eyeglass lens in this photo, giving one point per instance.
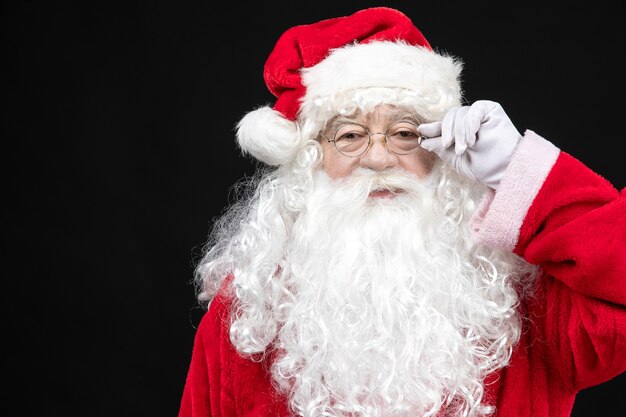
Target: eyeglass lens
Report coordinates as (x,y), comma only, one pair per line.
(353,139)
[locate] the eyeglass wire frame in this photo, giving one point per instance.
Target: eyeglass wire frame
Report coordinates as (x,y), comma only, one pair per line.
(420,139)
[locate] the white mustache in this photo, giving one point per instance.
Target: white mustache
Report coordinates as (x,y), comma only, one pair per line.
(395,181)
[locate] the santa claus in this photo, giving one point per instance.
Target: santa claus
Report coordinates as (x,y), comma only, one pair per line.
(403,254)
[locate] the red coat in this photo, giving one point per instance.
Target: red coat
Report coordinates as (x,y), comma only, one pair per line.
(553,211)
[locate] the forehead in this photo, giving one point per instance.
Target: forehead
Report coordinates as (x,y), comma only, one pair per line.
(380,114)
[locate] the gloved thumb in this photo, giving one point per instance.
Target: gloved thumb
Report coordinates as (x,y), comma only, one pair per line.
(433,145)
(429,130)
(431,133)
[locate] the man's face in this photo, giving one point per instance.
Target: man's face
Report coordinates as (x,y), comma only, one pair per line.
(377,157)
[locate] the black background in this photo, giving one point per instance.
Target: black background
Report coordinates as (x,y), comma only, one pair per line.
(118,150)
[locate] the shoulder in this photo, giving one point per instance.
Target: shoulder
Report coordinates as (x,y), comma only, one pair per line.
(216,320)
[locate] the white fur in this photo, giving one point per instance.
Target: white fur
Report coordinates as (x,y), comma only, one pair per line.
(432,78)
(268,136)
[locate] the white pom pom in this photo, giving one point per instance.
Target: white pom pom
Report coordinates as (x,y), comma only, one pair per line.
(268,136)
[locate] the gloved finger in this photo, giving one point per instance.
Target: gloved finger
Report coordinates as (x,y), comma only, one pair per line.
(478,115)
(460,132)
(429,130)
(447,127)
(473,121)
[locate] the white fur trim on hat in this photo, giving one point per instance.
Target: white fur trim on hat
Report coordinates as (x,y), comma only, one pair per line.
(268,136)
(430,79)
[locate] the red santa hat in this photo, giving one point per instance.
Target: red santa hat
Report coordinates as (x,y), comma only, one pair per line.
(338,65)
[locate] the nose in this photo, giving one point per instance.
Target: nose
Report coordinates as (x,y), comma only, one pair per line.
(377,156)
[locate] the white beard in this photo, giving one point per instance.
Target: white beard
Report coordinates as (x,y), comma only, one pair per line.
(385,307)
(391,309)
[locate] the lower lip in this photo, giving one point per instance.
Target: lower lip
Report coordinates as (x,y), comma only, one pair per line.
(382,194)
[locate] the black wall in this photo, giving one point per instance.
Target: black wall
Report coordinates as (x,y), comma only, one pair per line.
(118,150)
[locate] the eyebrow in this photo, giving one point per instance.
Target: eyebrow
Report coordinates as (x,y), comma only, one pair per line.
(400,116)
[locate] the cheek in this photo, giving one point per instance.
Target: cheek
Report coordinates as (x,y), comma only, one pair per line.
(338,166)
(420,163)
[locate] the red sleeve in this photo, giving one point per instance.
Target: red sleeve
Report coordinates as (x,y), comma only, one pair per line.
(576,230)
(571,222)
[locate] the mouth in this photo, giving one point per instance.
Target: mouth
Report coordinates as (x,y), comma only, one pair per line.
(384,193)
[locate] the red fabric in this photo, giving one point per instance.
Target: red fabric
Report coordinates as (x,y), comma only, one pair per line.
(306,45)
(574,338)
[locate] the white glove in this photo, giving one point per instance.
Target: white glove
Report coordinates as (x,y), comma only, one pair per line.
(483,136)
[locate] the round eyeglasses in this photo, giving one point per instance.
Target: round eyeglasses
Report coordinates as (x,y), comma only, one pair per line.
(353,140)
